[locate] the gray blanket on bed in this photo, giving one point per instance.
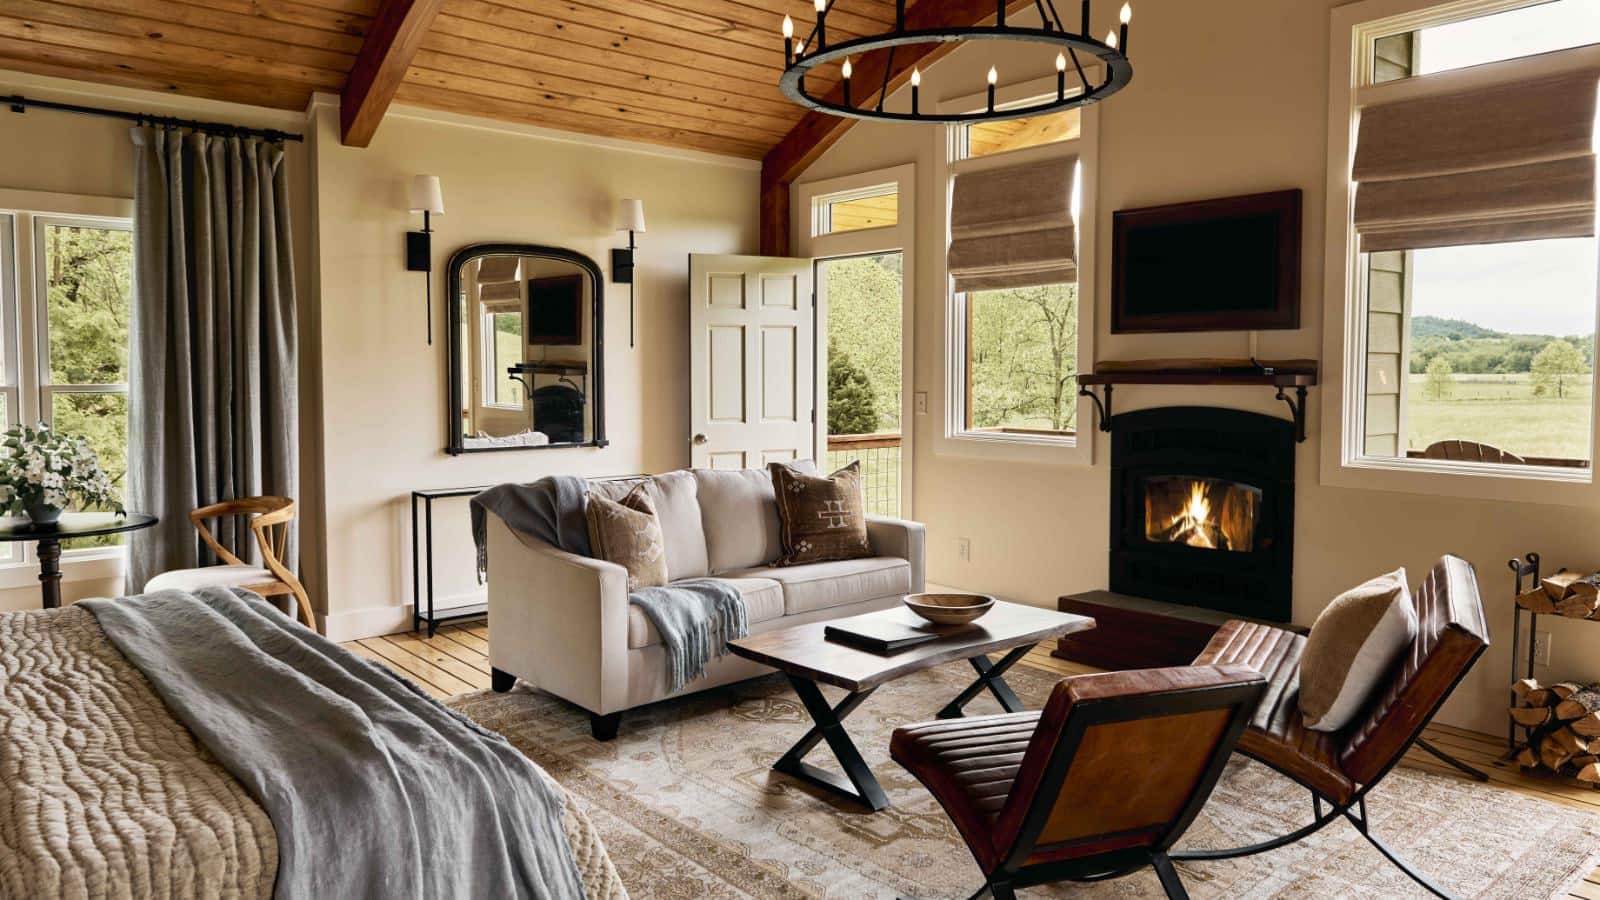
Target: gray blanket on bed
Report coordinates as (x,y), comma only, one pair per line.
(374,789)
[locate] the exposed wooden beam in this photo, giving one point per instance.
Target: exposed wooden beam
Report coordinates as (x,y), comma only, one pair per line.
(392,40)
(817,131)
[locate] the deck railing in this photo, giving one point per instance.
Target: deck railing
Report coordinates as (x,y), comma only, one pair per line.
(880,467)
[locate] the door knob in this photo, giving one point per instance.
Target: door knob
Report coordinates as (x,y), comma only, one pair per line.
(699,440)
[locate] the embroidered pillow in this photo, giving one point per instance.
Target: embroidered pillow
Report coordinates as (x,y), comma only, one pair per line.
(1352,647)
(820,518)
(628,534)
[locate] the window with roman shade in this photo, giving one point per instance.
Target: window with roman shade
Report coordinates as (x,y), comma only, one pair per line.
(1011,227)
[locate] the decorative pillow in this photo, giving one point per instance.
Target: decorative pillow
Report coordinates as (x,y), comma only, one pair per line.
(628,534)
(1352,647)
(820,519)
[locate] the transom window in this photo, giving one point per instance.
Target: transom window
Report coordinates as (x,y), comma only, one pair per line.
(874,207)
(1473,242)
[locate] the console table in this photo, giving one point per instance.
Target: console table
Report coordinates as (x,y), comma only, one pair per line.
(425,498)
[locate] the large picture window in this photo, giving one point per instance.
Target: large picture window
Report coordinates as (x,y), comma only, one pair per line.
(1469,338)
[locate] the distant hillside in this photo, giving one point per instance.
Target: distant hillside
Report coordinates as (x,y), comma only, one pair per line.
(1450,329)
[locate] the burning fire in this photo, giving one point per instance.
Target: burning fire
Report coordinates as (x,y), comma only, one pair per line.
(1207,513)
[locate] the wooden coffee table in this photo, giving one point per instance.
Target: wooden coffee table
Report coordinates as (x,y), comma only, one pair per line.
(809,660)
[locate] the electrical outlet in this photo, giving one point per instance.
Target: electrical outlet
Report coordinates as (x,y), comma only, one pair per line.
(964,548)
(922,403)
(1541,648)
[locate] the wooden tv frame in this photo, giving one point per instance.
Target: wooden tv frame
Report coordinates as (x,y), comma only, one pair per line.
(1284,315)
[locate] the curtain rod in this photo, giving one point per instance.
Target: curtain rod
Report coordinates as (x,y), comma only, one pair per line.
(20,104)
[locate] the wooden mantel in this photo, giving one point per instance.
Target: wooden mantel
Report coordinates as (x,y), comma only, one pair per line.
(816,132)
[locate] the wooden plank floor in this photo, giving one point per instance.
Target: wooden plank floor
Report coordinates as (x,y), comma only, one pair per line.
(455,660)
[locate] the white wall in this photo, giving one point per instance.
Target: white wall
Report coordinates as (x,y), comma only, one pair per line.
(384,388)
(59,153)
(1227,98)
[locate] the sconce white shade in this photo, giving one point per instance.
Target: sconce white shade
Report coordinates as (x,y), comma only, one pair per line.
(426,196)
(630,215)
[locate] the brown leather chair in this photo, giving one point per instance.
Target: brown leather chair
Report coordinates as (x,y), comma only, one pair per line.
(1340,769)
(1097,785)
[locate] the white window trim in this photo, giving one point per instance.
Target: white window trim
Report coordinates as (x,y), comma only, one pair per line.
(1344,463)
(487,310)
(20,306)
(809,201)
(952,438)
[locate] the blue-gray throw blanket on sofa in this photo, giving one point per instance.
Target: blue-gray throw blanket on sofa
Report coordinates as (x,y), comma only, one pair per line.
(696,617)
(374,789)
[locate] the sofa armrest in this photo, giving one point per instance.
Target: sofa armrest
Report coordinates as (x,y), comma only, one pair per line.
(902,539)
(559,620)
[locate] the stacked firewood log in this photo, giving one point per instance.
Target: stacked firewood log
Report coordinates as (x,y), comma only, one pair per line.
(1564,594)
(1563,722)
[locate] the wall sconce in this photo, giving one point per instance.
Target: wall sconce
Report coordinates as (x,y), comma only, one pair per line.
(427,199)
(630,218)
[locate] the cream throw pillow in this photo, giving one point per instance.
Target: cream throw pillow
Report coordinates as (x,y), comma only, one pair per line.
(1352,647)
(628,534)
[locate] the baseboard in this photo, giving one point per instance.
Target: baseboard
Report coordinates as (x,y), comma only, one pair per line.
(372,621)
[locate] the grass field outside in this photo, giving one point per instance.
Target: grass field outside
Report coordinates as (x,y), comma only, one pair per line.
(1502,411)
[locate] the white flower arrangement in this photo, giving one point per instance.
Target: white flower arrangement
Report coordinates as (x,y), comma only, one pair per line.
(43,470)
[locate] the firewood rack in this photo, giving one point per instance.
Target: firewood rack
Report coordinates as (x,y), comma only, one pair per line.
(1524,655)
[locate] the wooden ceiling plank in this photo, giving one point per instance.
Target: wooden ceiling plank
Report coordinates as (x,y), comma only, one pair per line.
(429,64)
(46,59)
(707,17)
(173,33)
(850,15)
(291,13)
(199,62)
(625,112)
(817,131)
(620,44)
(567,120)
(214,16)
(392,40)
(486,50)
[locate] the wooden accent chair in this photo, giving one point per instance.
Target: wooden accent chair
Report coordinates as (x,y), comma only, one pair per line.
(1340,769)
(1470,451)
(1099,784)
(270,518)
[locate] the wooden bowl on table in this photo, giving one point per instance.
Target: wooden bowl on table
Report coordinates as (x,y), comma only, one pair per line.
(949,609)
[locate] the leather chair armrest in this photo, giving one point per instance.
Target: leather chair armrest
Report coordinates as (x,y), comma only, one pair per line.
(560,620)
(904,540)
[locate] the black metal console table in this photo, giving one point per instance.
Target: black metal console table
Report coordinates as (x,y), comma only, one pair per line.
(418,616)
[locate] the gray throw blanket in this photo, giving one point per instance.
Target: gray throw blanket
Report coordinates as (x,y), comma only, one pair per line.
(696,617)
(374,789)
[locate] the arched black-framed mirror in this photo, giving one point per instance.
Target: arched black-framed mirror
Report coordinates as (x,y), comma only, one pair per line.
(525,327)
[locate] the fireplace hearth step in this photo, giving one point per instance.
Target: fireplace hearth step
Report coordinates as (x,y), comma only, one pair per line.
(1140,633)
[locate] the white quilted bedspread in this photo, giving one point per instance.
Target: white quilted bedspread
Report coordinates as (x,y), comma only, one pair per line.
(104,794)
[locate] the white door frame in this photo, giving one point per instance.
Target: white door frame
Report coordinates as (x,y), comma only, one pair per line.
(900,237)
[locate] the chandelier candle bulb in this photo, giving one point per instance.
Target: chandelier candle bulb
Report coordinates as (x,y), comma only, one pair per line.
(994,76)
(916,86)
(846,72)
(788,40)
(1061,76)
(1111,39)
(1126,16)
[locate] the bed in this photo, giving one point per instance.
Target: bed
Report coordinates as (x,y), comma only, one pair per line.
(105,792)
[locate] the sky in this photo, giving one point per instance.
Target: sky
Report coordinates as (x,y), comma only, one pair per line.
(1540,287)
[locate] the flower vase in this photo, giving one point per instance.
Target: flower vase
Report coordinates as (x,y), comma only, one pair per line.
(43,513)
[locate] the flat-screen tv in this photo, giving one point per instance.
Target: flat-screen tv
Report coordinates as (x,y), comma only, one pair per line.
(555,310)
(1216,265)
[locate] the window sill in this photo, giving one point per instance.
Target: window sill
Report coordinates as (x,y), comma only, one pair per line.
(1554,485)
(76,565)
(1046,449)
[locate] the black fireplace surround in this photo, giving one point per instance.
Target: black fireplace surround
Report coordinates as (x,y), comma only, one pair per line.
(1202,509)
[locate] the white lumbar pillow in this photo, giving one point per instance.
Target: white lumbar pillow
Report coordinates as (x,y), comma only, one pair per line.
(1352,647)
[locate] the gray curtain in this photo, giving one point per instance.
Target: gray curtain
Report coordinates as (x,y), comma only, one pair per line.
(212,404)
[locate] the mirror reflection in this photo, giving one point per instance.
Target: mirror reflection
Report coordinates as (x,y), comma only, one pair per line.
(525,350)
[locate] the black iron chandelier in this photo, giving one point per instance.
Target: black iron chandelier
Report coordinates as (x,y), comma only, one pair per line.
(814,51)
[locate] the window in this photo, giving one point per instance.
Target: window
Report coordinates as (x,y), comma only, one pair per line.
(502,341)
(65,348)
(1015,336)
(874,207)
(1468,345)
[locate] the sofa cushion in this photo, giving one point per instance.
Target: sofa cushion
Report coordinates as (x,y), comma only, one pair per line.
(763,602)
(820,518)
(678,508)
(838,583)
(629,534)
(740,517)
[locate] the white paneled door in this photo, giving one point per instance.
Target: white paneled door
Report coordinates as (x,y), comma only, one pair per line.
(752,370)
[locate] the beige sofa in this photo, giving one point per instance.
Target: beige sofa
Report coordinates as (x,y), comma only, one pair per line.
(563,622)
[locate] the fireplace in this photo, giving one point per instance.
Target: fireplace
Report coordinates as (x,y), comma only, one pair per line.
(1202,509)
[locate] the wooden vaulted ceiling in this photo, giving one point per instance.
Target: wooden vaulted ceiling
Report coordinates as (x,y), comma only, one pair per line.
(698,74)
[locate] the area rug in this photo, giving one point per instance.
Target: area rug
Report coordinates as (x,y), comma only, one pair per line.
(689,807)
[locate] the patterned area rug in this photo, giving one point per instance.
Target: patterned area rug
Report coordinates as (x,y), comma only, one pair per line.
(689,808)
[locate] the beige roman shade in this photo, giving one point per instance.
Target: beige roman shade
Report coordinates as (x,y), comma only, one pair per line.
(505,290)
(1512,162)
(1012,226)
